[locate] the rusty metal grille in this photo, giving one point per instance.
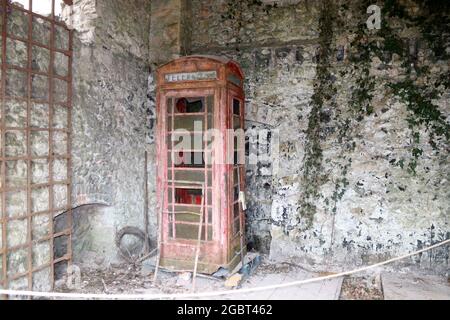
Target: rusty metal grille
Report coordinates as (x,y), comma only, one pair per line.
(35,186)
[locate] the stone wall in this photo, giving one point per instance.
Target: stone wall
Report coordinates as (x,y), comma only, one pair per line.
(362,117)
(111,125)
(275,46)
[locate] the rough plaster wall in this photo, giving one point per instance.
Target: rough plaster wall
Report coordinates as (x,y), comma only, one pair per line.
(81,16)
(111,125)
(300,80)
(170,31)
(276,52)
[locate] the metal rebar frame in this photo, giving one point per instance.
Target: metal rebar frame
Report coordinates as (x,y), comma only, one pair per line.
(53,211)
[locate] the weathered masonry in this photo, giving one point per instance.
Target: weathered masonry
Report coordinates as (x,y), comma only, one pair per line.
(359,119)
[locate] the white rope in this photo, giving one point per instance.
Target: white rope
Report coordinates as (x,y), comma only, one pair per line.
(213,293)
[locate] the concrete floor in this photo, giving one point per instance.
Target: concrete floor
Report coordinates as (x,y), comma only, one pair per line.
(323,290)
(270,275)
(397,286)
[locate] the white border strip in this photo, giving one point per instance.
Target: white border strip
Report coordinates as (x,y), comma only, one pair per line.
(208,294)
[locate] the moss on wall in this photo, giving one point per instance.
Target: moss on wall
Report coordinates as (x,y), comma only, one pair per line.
(313,175)
(433,23)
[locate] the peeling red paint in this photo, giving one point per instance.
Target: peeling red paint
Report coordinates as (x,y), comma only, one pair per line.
(218,82)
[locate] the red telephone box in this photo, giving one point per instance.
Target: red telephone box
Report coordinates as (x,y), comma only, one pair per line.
(200,160)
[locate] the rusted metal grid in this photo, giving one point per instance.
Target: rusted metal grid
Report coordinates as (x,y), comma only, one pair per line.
(29,262)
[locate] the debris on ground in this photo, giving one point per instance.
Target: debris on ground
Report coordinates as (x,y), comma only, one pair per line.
(138,279)
(233,281)
(184,279)
(361,288)
(120,279)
